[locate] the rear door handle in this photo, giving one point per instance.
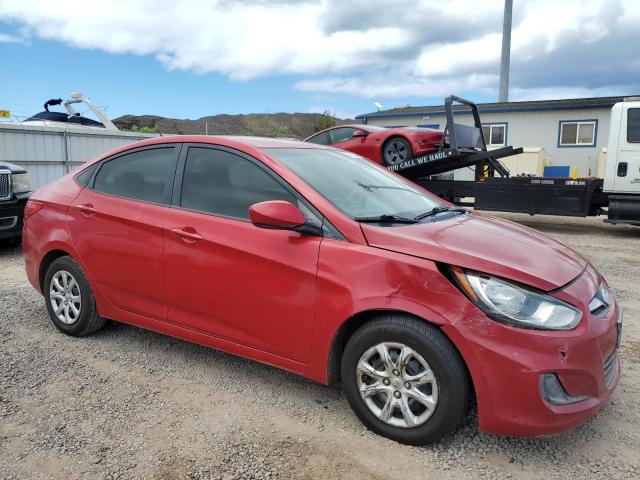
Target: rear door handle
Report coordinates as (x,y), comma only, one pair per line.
(87,208)
(188,234)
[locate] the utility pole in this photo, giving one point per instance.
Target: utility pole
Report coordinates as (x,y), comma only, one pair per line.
(505,59)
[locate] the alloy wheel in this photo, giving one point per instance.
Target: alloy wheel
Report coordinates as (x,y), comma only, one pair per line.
(397,384)
(65,297)
(395,152)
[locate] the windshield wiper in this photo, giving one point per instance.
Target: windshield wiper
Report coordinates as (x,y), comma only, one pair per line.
(386,218)
(437,210)
(389,187)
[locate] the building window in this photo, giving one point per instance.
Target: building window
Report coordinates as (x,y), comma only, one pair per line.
(495,134)
(580,133)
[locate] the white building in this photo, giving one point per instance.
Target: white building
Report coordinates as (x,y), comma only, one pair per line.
(572,132)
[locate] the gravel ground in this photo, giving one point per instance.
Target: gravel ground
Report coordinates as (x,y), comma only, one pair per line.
(129,403)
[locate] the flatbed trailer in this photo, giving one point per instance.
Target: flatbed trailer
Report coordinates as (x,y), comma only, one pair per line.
(580,197)
(464,146)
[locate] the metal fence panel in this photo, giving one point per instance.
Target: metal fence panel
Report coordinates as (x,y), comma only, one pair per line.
(47,153)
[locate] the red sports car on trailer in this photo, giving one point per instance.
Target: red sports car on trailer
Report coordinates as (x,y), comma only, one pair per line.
(386,146)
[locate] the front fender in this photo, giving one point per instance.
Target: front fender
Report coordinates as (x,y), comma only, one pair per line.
(353,279)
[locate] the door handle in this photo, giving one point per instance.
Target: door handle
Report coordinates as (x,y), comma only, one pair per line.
(622,169)
(188,234)
(87,209)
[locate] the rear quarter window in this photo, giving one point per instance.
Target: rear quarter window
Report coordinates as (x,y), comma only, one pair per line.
(84,177)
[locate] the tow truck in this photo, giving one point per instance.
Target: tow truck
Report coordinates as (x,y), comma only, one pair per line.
(494,189)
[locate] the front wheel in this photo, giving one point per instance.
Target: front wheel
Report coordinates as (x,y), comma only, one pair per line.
(404,379)
(396,151)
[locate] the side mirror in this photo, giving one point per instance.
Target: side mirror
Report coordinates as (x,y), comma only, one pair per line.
(276,214)
(359,133)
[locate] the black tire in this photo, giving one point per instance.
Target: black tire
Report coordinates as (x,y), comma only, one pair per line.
(443,359)
(88,320)
(396,150)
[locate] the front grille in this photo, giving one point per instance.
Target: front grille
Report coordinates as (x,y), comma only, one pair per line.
(5,185)
(610,368)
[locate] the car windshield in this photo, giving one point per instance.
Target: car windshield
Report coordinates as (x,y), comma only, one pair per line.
(373,128)
(355,185)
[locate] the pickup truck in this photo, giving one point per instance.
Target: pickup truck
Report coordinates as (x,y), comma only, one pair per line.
(15,189)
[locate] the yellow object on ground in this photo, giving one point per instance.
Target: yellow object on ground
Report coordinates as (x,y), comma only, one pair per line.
(574,172)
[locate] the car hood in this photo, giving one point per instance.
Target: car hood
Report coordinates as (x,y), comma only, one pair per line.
(489,245)
(12,167)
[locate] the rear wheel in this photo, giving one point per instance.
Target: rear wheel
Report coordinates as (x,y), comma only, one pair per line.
(69,298)
(395,151)
(404,379)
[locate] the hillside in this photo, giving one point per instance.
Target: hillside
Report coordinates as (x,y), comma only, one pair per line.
(297,125)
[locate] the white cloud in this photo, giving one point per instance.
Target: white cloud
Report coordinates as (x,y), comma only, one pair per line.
(336,113)
(366,48)
(383,85)
(6,38)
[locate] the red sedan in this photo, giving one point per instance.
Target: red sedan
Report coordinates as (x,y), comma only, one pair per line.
(386,146)
(317,261)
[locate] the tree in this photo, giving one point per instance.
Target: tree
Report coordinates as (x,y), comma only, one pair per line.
(324,121)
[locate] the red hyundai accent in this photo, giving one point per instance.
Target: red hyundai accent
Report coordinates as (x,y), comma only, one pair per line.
(317,261)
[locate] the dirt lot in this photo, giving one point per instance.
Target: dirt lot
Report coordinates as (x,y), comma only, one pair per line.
(128,403)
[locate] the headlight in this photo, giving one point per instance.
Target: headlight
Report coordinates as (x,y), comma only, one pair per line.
(512,304)
(21,182)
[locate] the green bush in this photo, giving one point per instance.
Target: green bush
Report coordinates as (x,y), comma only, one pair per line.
(325,121)
(137,129)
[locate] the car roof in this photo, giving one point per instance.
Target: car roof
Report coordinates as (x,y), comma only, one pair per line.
(266,142)
(229,140)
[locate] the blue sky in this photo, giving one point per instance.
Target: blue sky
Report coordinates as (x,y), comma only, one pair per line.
(134,84)
(193,58)
(37,70)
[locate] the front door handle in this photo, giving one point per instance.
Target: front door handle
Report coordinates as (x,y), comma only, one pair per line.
(188,234)
(88,209)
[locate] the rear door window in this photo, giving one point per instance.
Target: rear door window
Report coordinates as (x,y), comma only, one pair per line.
(140,175)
